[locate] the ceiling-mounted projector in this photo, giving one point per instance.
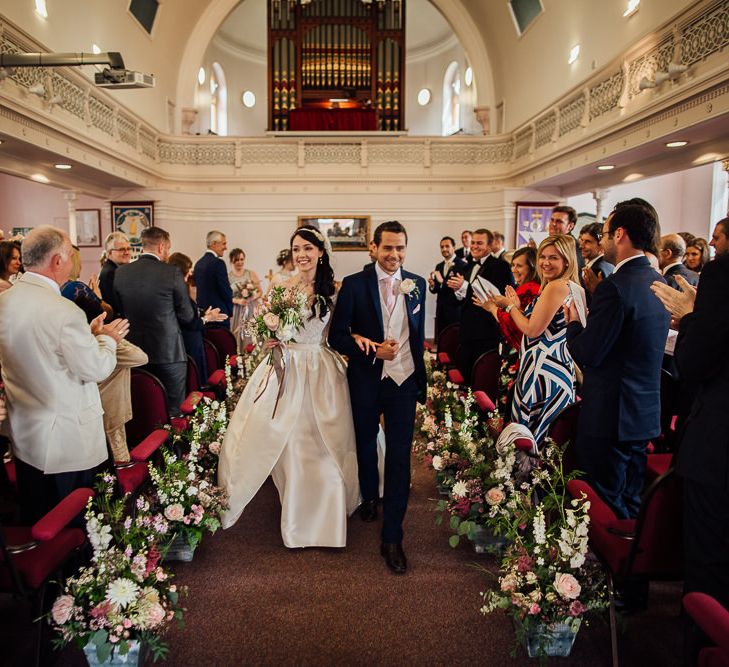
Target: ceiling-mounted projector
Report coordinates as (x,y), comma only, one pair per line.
(121,79)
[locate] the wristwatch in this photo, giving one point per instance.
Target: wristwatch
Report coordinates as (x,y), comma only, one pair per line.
(508,308)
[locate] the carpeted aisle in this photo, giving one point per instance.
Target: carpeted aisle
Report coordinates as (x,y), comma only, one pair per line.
(251,601)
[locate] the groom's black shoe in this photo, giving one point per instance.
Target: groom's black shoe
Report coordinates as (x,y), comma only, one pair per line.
(394,557)
(368,510)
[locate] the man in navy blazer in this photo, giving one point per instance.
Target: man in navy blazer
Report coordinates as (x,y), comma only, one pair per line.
(211,278)
(379,323)
(620,352)
(447,305)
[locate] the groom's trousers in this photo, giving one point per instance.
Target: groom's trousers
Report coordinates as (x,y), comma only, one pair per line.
(397,405)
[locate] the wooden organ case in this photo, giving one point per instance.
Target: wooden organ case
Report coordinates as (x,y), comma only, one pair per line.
(336,64)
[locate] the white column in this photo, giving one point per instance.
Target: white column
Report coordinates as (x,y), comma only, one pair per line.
(70,196)
(599,197)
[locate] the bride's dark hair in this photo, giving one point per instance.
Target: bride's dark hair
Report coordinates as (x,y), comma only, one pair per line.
(324,277)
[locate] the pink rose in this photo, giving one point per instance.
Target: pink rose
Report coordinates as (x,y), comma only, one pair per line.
(494,496)
(271,320)
(174,512)
(577,608)
(214,447)
(62,609)
(155,615)
(567,586)
(508,583)
(534,609)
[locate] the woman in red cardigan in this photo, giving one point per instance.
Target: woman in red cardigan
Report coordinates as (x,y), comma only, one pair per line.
(524,269)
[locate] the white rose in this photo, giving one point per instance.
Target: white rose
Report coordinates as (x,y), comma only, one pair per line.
(494,496)
(437,463)
(407,286)
(567,586)
(271,320)
(286,333)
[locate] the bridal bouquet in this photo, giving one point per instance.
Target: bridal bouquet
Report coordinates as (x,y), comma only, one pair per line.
(280,316)
(124,596)
(246,291)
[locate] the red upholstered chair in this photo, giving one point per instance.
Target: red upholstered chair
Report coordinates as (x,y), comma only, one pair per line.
(149,407)
(485,374)
(448,345)
(216,368)
(455,376)
(225,343)
(713,620)
(484,404)
(563,430)
(31,555)
(194,392)
(648,547)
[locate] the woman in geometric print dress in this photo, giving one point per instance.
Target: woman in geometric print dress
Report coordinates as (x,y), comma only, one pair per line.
(546,381)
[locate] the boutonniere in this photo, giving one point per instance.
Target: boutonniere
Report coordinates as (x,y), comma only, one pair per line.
(409,288)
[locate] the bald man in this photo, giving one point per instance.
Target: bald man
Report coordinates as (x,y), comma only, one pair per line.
(670,260)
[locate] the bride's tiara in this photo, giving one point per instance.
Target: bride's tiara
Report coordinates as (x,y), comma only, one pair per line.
(325,241)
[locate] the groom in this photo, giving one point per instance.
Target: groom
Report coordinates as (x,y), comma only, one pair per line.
(385,305)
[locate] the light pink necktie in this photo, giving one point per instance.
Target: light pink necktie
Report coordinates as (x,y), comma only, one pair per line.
(389,284)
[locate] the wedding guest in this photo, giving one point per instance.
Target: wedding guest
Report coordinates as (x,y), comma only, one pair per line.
(153,296)
(286,270)
(497,247)
(118,251)
(86,297)
(524,270)
(10,263)
(596,266)
(194,330)
(211,277)
(479,332)
(562,221)
(697,254)
(620,352)
(464,252)
(246,288)
(670,260)
(546,380)
(447,305)
(720,237)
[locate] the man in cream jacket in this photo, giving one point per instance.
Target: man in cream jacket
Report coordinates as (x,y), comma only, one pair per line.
(51,361)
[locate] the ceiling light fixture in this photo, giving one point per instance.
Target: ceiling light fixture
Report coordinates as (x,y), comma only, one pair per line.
(633,6)
(39,178)
(63,166)
(95,48)
(606,167)
(201,76)
(423,96)
(249,99)
(40,8)
(676,144)
(468,76)
(574,54)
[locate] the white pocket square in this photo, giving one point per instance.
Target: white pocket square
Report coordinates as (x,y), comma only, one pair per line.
(416,310)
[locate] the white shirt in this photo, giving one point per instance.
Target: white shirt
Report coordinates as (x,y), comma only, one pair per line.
(395,325)
(626,260)
(463,289)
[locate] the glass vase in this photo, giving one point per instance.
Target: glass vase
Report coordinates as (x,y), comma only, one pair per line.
(555,640)
(180,550)
(485,542)
(129,659)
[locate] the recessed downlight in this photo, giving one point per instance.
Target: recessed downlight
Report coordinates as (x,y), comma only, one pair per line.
(63,166)
(676,144)
(249,99)
(574,54)
(423,96)
(39,178)
(606,167)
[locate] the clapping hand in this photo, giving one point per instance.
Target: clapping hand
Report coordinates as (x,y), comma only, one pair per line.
(118,329)
(455,282)
(94,285)
(214,315)
(591,279)
(489,305)
(510,298)
(677,303)
(570,311)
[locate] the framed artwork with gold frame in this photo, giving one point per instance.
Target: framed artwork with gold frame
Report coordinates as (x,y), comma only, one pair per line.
(345,232)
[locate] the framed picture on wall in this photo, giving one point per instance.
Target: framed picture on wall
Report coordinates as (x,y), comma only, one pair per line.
(131,217)
(345,232)
(88,227)
(20,232)
(532,222)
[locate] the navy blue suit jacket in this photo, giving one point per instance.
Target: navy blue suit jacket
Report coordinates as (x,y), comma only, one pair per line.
(358,310)
(213,286)
(620,351)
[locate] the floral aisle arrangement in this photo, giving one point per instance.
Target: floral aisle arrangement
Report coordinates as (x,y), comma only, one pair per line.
(124,597)
(186,493)
(548,583)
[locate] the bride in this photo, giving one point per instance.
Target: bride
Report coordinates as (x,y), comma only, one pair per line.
(308,447)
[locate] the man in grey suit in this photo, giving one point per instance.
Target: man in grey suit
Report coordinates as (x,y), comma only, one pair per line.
(152,296)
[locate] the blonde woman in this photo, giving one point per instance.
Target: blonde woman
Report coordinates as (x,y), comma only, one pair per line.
(546,380)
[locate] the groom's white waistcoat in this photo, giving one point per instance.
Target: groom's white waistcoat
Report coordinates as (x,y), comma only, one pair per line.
(396,326)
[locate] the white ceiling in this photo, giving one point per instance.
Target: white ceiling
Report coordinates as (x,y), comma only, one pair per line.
(245,26)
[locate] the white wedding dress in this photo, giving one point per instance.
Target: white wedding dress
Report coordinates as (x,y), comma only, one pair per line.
(308,447)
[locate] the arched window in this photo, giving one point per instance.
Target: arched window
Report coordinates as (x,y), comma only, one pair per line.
(218,101)
(452,100)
